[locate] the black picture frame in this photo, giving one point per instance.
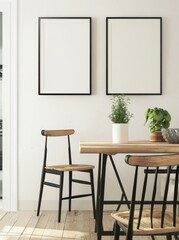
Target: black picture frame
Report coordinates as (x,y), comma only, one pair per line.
(134,55)
(64,55)
(1,71)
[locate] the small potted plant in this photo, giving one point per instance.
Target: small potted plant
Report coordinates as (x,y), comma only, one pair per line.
(120,117)
(157,119)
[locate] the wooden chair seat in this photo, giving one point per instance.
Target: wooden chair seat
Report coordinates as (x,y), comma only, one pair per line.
(72,167)
(145,225)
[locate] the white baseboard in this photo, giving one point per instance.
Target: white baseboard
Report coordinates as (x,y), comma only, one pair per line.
(53,205)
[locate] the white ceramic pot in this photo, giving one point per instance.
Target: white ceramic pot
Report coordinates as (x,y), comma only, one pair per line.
(119,132)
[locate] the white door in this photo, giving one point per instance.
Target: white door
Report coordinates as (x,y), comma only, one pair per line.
(9,103)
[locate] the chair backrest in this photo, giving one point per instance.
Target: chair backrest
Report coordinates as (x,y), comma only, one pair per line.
(57,133)
(150,168)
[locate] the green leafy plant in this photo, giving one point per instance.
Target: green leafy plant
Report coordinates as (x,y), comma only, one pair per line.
(120,112)
(157,118)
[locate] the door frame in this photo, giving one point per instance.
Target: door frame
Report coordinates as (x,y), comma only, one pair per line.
(9,105)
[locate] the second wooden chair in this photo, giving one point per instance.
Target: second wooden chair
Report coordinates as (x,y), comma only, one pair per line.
(153,213)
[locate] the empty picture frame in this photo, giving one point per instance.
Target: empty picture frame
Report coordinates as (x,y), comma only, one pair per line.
(134,55)
(64,56)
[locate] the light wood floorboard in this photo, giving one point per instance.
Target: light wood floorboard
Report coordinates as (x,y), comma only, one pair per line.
(25,225)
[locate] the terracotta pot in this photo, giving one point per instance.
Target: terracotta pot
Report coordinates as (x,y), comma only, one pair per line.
(156,137)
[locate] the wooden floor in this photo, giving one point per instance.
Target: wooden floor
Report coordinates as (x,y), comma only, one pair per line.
(74,225)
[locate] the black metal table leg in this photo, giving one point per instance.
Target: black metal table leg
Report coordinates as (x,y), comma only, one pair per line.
(120,183)
(100,195)
(100,201)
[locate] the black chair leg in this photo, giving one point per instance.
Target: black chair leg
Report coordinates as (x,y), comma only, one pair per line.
(176,237)
(70,191)
(169,237)
(41,192)
(116,231)
(60,196)
(93,193)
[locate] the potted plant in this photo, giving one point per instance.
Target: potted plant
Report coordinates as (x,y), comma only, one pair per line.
(157,119)
(120,117)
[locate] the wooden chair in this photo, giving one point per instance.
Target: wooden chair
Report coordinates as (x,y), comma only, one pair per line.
(153,213)
(60,169)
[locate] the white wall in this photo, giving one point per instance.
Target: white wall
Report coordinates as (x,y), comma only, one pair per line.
(0,37)
(87,114)
(0,63)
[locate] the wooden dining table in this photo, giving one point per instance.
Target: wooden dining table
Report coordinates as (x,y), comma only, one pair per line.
(106,150)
